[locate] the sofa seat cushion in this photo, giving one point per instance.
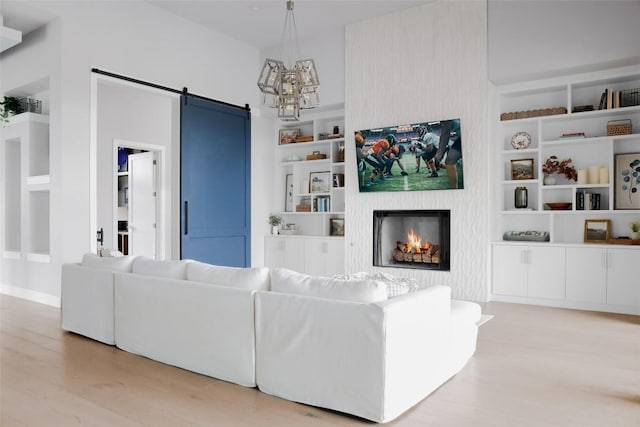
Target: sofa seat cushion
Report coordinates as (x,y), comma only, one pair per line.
(122,264)
(244,278)
(292,282)
(169,269)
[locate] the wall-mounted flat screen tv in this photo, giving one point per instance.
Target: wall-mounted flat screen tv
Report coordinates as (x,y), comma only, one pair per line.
(411,157)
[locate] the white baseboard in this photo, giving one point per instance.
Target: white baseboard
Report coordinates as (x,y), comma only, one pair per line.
(30,295)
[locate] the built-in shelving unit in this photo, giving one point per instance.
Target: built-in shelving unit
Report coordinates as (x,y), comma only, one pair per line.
(515,264)
(309,204)
(27,187)
(295,169)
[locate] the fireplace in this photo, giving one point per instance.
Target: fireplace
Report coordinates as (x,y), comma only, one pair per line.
(411,239)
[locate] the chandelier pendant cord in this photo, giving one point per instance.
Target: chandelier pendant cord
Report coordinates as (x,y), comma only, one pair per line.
(288,37)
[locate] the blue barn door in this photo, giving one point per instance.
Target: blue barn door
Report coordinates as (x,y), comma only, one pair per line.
(215,170)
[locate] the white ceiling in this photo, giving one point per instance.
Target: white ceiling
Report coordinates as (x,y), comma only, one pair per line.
(257,22)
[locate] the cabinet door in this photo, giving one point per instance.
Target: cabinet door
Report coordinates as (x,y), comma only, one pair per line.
(546,278)
(509,270)
(324,257)
(586,275)
(622,277)
(285,253)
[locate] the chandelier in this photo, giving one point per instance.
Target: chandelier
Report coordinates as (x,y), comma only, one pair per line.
(287,86)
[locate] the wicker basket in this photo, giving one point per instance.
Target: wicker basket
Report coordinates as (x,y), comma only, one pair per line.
(316,155)
(303,208)
(619,127)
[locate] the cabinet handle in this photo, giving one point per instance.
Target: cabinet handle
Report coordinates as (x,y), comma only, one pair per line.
(186,217)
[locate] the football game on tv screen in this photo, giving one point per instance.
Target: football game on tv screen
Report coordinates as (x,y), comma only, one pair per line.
(410,157)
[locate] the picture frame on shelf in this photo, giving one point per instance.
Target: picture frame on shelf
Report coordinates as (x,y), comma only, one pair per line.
(597,230)
(319,182)
(288,193)
(336,226)
(627,181)
(521,169)
(288,135)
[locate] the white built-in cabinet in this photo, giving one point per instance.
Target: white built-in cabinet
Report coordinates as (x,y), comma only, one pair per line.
(565,271)
(312,248)
(308,254)
(529,271)
(27,187)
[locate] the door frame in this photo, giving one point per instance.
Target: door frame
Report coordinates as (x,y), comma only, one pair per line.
(161,188)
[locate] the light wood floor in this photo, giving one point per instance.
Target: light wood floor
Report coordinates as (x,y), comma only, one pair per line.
(534,366)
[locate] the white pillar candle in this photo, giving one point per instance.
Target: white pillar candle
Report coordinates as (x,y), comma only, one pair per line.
(594,174)
(604,175)
(582,176)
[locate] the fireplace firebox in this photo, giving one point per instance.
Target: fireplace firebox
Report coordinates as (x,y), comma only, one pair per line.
(411,239)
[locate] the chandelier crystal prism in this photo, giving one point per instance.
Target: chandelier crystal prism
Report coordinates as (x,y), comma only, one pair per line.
(289,86)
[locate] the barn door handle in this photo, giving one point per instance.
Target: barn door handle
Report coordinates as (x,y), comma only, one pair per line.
(186,217)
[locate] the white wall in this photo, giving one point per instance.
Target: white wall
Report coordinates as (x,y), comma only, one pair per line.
(130,38)
(429,63)
(534,39)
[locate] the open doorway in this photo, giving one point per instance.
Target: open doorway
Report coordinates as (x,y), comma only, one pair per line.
(142,120)
(137,220)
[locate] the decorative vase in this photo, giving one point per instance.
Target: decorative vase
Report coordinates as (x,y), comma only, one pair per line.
(521,198)
(274,229)
(549,179)
(635,235)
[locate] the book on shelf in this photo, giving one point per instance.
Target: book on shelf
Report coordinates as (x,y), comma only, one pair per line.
(587,201)
(322,204)
(603,99)
(610,99)
(573,135)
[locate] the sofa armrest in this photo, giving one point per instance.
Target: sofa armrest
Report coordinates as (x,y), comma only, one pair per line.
(417,341)
(87,302)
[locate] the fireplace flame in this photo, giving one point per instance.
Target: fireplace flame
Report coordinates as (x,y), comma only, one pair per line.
(414,243)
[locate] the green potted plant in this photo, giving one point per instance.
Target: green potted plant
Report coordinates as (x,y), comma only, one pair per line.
(274,221)
(635,229)
(10,106)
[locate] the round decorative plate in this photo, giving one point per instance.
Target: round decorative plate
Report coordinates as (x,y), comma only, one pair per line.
(521,140)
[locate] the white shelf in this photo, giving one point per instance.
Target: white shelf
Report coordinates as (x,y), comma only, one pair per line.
(39,257)
(27,118)
(12,254)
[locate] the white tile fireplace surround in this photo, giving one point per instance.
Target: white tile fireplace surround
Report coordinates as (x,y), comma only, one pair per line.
(417,239)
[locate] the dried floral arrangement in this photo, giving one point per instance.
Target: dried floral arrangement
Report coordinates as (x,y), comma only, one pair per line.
(564,167)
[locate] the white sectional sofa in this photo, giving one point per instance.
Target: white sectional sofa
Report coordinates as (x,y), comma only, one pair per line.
(334,343)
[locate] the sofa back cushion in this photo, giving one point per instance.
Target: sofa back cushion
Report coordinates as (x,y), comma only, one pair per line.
(291,282)
(121,264)
(245,278)
(170,269)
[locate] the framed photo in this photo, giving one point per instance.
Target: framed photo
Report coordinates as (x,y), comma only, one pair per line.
(597,230)
(288,135)
(521,169)
(288,193)
(319,182)
(336,226)
(627,181)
